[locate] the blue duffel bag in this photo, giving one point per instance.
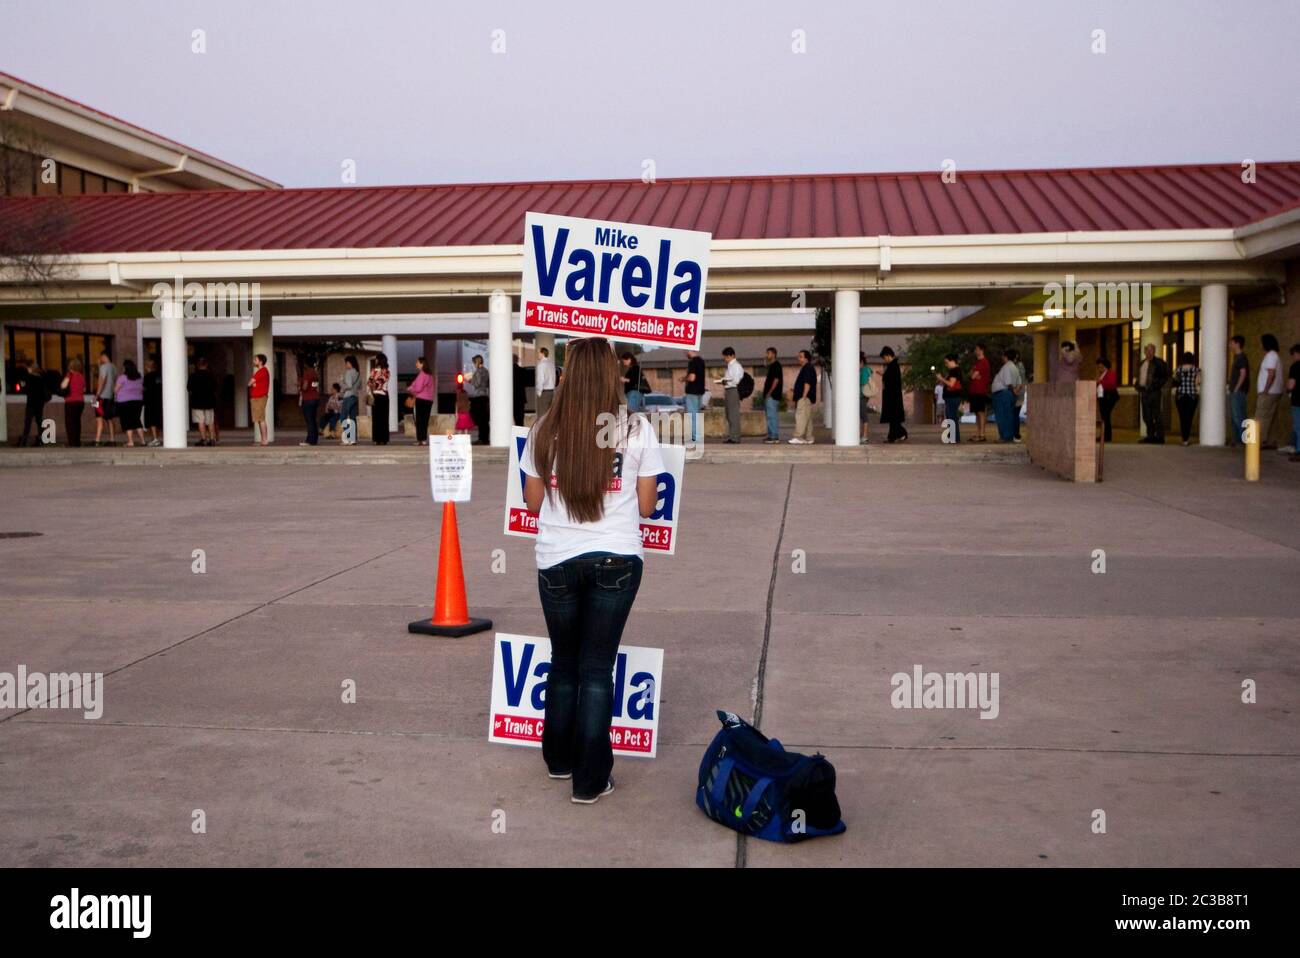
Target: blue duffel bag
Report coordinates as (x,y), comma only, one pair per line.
(751,784)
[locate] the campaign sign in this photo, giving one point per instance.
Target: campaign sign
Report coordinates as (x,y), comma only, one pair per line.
(451,468)
(658,532)
(520,665)
(640,284)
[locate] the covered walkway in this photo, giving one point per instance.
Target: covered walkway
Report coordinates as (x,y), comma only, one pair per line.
(977,254)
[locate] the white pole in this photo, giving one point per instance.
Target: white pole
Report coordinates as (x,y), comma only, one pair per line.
(1214,364)
(846,344)
(174,375)
(394,396)
(242,366)
(501,379)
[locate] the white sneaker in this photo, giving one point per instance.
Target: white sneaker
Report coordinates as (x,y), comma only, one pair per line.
(1287,449)
(796,441)
(592,801)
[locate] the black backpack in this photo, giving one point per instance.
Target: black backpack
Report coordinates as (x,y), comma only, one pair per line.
(745,388)
(751,784)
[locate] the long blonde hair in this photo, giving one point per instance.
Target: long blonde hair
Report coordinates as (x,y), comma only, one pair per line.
(592,387)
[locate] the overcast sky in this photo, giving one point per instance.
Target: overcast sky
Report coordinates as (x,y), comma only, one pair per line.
(413,92)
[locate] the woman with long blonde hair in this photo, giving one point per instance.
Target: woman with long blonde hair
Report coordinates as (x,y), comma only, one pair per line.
(601,467)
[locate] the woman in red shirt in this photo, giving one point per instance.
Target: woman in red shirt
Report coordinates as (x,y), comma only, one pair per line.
(74,401)
(1107,393)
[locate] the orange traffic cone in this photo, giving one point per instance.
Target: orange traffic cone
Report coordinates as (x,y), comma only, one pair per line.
(450,610)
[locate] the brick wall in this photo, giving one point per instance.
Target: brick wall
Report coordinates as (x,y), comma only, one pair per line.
(1062,434)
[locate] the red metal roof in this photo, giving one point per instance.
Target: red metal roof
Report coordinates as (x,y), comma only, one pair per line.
(764,207)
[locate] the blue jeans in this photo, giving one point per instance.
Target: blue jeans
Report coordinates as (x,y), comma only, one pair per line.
(693,404)
(586,602)
(635,400)
(309,414)
(772,406)
(1237,405)
(1004,409)
(350,413)
(952,410)
(1295,427)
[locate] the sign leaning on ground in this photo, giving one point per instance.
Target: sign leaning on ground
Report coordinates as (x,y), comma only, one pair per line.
(658,532)
(451,468)
(520,664)
(639,284)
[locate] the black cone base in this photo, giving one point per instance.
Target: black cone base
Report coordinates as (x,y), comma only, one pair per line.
(425,627)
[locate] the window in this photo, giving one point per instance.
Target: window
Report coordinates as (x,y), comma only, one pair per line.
(1182,335)
(52,350)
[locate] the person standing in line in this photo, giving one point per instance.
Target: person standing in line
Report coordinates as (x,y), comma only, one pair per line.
(544,381)
(1187,391)
(1269,392)
(1238,387)
(977,392)
(349,396)
(309,400)
(105,410)
(259,392)
(632,383)
(202,388)
(804,395)
(378,386)
(1108,395)
(773,390)
(333,412)
(1067,366)
(1153,376)
(891,397)
(1005,385)
(34,388)
(421,393)
(128,394)
(590,497)
(950,382)
(865,373)
(1023,388)
(1293,385)
(480,409)
(153,400)
(730,383)
(74,402)
(519,395)
(694,389)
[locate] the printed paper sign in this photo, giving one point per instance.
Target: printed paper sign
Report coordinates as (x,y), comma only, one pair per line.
(640,284)
(520,666)
(658,533)
(451,468)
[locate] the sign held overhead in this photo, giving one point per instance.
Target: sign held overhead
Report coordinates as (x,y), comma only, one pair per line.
(641,284)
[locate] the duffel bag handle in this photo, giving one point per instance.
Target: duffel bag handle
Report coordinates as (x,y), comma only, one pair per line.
(755,796)
(719,792)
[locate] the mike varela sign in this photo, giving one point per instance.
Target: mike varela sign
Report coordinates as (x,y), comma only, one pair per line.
(639,284)
(658,532)
(519,669)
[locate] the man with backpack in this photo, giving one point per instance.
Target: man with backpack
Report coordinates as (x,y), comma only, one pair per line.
(731,381)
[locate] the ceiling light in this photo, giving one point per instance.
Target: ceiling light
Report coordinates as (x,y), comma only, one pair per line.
(1034,319)
(1020,322)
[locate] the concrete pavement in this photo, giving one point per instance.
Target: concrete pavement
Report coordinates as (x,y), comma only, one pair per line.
(1118,691)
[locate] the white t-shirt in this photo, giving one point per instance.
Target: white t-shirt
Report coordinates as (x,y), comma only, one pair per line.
(560,538)
(1271,361)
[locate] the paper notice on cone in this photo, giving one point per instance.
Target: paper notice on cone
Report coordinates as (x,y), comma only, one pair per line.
(451,468)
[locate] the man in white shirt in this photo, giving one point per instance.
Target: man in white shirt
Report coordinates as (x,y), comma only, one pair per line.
(1006,385)
(1269,388)
(545,381)
(730,381)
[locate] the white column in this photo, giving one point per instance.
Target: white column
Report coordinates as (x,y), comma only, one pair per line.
(264,343)
(1214,364)
(394,396)
(4,387)
(175,369)
(501,380)
(846,343)
(544,341)
(241,365)
(1152,333)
